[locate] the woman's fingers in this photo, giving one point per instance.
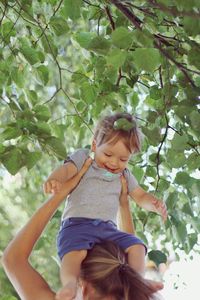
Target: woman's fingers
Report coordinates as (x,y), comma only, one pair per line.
(124,185)
(86,166)
(52,186)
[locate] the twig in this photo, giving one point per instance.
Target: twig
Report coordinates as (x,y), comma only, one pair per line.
(135,20)
(158,153)
(44,29)
(78,114)
(112,23)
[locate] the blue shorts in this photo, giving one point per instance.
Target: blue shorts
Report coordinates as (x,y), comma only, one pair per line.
(84,233)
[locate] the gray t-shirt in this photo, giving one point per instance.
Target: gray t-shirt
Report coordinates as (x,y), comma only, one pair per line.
(97,194)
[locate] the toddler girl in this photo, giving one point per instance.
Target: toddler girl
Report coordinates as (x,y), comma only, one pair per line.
(90,213)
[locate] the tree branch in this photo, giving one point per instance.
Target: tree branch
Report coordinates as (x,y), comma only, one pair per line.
(112,23)
(179,65)
(174,11)
(134,20)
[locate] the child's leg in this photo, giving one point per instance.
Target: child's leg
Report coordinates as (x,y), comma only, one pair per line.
(136,259)
(69,273)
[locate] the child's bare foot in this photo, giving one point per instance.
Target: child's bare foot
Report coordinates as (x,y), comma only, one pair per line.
(67,292)
(155,285)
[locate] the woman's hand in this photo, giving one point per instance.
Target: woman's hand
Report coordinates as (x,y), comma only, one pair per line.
(125,216)
(52,186)
(123,200)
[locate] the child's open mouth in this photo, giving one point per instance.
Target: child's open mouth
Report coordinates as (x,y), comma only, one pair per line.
(110,170)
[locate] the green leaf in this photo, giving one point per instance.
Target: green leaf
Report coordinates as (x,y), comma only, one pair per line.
(42,130)
(182,178)
(143,38)
(142,236)
(194,57)
(187,209)
(12,160)
(72,9)
(56,146)
(157,256)
(49,45)
(147,59)
(30,54)
(11,133)
(123,124)
(138,173)
(171,201)
(191,25)
(59,25)
(2,149)
(195,119)
(179,142)
(7,30)
(88,93)
(7,297)
(84,38)
(155,92)
(31,158)
(100,65)
(181,232)
(193,161)
(42,112)
(17,76)
(99,45)
(180,160)
(192,240)
(163,185)
(153,135)
(122,38)
(116,57)
(43,74)
(134,100)
(150,172)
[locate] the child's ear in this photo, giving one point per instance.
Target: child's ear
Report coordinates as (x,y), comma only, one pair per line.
(93,146)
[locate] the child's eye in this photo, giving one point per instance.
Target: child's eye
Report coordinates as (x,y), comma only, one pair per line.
(109,155)
(124,160)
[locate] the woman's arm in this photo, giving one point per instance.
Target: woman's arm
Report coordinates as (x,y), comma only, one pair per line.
(28,282)
(125,216)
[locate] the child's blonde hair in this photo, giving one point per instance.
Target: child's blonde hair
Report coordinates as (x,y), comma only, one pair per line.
(106,269)
(107,131)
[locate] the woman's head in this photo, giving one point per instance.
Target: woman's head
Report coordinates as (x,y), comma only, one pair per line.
(106,275)
(116,137)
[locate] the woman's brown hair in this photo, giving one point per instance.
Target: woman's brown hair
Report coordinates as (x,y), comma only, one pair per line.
(107,131)
(108,272)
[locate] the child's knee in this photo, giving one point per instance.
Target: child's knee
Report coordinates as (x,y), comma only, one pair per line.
(82,254)
(137,248)
(76,256)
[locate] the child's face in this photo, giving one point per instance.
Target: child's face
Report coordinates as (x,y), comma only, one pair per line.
(112,157)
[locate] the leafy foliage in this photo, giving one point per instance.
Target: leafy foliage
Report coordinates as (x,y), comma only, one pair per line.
(63,63)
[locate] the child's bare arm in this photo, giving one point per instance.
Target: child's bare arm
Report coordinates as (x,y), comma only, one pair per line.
(125,216)
(149,202)
(59,176)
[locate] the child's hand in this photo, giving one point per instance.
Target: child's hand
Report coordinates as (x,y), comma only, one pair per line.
(52,186)
(160,208)
(124,192)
